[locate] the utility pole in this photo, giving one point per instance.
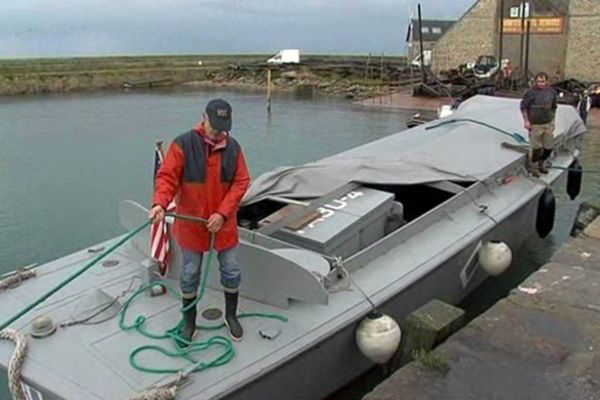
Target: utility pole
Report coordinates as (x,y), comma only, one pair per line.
(423,76)
(501,34)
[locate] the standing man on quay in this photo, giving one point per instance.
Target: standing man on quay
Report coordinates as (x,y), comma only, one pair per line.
(206,170)
(539,109)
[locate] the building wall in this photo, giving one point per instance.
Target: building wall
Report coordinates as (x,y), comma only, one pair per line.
(472,36)
(583,48)
(546,50)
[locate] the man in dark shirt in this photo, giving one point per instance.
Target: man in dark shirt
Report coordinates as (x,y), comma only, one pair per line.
(539,108)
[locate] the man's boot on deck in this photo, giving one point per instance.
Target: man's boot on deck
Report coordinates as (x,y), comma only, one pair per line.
(189,322)
(233,325)
(545,154)
(535,162)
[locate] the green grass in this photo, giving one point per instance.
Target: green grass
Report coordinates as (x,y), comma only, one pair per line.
(121,63)
(432,361)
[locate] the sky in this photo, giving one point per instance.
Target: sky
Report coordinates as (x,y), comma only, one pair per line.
(60,28)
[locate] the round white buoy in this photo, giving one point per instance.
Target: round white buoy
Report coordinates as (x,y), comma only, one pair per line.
(495,257)
(378,337)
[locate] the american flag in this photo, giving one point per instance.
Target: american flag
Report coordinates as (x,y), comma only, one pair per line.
(159,231)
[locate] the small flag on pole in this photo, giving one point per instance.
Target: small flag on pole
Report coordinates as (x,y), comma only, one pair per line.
(159,231)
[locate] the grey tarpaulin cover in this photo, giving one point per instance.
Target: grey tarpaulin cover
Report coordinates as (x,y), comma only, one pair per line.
(458,151)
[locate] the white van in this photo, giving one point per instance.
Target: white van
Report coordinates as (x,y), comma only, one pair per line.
(287,56)
(416,62)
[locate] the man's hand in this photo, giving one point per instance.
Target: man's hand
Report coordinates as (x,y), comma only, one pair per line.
(527,125)
(215,222)
(156,213)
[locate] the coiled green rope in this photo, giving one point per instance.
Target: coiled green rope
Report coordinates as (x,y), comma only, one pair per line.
(193,347)
(172,333)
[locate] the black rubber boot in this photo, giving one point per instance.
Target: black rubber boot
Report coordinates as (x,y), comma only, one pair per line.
(233,325)
(189,322)
(543,158)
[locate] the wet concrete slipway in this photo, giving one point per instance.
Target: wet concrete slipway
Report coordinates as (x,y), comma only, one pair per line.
(540,342)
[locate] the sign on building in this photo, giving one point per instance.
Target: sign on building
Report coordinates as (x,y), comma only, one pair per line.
(539,25)
(522,10)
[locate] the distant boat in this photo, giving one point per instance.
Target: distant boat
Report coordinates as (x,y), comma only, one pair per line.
(147,84)
(388,225)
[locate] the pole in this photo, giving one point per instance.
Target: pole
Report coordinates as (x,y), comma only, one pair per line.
(269,90)
(527,38)
(522,11)
(421,44)
(500,34)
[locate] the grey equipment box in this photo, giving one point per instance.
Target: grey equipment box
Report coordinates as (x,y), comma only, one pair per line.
(348,223)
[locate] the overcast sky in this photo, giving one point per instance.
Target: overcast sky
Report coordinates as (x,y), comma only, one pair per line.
(110,27)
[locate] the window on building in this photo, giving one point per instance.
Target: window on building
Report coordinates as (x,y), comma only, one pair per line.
(437,30)
(424,29)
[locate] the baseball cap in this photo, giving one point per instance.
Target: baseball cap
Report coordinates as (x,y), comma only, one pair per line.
(218,112)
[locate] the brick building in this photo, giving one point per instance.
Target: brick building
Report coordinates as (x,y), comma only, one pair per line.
(563,37)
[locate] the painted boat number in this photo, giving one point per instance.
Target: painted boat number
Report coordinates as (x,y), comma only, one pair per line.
(329,209)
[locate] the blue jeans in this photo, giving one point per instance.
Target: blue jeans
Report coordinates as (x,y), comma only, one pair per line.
(189,280)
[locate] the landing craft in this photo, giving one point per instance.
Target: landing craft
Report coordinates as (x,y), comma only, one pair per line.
(358,239)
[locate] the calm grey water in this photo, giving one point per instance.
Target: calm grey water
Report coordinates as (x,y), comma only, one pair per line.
(67,160)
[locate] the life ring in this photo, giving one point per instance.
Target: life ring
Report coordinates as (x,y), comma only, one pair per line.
(545,213)
(574,177)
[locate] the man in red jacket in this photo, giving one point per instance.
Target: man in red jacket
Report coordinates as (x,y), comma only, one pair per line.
(206,170)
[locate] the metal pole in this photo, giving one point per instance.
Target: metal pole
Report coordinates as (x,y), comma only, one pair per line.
(269,90)
(527,37)
(500,33)
(522,11)
(421,44)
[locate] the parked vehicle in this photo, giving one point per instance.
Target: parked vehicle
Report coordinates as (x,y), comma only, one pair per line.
(287,56)
(485,67)
(416,62)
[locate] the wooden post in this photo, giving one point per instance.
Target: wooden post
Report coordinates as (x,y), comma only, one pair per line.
(269,90)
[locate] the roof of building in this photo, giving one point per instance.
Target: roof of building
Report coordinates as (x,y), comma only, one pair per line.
(432,29)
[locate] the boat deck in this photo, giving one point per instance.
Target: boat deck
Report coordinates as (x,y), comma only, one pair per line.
(102,350)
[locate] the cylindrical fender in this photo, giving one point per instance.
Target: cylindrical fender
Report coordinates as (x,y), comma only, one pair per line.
(545,213)
(574,177)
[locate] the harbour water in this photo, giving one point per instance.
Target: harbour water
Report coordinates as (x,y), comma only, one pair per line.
(67,160)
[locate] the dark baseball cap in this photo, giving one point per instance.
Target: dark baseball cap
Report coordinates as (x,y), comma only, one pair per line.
(218,112)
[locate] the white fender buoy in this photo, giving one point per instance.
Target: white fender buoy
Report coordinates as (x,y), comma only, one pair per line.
(378,337)
(495,257)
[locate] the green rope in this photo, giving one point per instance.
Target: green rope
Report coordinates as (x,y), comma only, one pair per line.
(586,170)
(191,348)
(516,136)
(74,276)
(172,333)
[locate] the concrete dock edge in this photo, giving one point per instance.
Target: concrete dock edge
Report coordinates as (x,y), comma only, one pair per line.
(541,342)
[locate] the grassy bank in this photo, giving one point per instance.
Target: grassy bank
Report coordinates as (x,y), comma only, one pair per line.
(332,72)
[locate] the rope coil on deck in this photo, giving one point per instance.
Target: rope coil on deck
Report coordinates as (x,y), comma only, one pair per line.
(16,279)
(16,362)
(162,393)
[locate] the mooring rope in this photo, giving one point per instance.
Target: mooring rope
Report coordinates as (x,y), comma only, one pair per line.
(516,136)
(16,362)
(15,280)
